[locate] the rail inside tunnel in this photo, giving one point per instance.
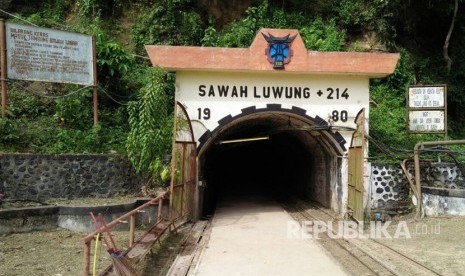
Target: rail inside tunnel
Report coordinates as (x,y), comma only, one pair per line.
(271,154)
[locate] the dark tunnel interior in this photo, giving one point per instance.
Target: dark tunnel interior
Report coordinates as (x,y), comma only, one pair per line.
(281,166)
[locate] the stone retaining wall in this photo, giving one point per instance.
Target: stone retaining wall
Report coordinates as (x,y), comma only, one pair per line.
(390,189)
(41,177)
(442,175)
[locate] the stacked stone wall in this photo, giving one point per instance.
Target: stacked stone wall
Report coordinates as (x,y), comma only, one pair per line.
(41,177)
(390,189)
(389,186)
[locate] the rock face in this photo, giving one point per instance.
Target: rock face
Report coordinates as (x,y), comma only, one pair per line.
(5,4)
(19,6)
(225,11)
(40,177)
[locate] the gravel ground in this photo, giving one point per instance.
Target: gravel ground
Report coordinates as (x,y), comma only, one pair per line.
(57,252)
(60,253)
(435,242)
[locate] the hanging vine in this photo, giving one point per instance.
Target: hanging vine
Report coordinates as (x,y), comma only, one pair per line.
(151,126)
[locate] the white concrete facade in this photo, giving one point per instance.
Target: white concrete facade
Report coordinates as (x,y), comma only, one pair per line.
(225,94)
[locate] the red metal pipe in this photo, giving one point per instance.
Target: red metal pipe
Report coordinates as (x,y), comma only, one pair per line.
(88,239)
(86,259)
(91,236)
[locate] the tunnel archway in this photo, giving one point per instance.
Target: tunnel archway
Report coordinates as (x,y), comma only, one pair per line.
(212,83)
(273,152)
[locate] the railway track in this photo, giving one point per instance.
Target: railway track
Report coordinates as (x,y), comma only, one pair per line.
(366,256)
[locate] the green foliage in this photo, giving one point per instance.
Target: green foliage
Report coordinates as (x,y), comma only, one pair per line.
(75,111)
(321,37)
(24,104)
(240,33)
(90,140)
(368,16)
(9,131)
(50,15)
(209,37)
(402,76)
(151,126)
(69,131)
(388,113)
(95,8)
(346,10)
(387,117)
(169,22)
(76,141)
(86,8)
(112,57)
(316,34)
(24,108)
(388,123)
(113,62)
(38,124)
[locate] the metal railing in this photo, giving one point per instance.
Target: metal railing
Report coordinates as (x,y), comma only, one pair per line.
(87,240)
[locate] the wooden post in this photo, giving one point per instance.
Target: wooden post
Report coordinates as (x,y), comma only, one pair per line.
(173,162)
(183,178)
(3,64)
(160,209)
(132,227)
(95,98)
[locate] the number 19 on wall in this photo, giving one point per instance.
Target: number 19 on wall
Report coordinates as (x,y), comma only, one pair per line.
(203,113)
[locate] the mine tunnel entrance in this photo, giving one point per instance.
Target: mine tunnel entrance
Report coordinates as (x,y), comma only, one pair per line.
(273,154)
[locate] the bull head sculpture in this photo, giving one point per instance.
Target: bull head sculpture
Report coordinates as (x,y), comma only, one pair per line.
(279,50)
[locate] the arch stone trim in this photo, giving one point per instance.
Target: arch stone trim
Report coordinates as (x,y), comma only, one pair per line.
(338,138)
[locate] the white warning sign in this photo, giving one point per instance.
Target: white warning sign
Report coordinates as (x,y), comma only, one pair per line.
(426,97)
(426,120)
(41,54)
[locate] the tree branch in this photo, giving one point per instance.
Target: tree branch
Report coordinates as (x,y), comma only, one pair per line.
(449,34)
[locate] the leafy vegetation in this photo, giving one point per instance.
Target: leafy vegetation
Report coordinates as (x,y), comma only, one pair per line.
(151,126)
(136,102)
(169,22)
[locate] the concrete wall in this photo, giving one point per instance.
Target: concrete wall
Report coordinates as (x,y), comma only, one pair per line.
(441,201)
(40,177)
(74,218)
